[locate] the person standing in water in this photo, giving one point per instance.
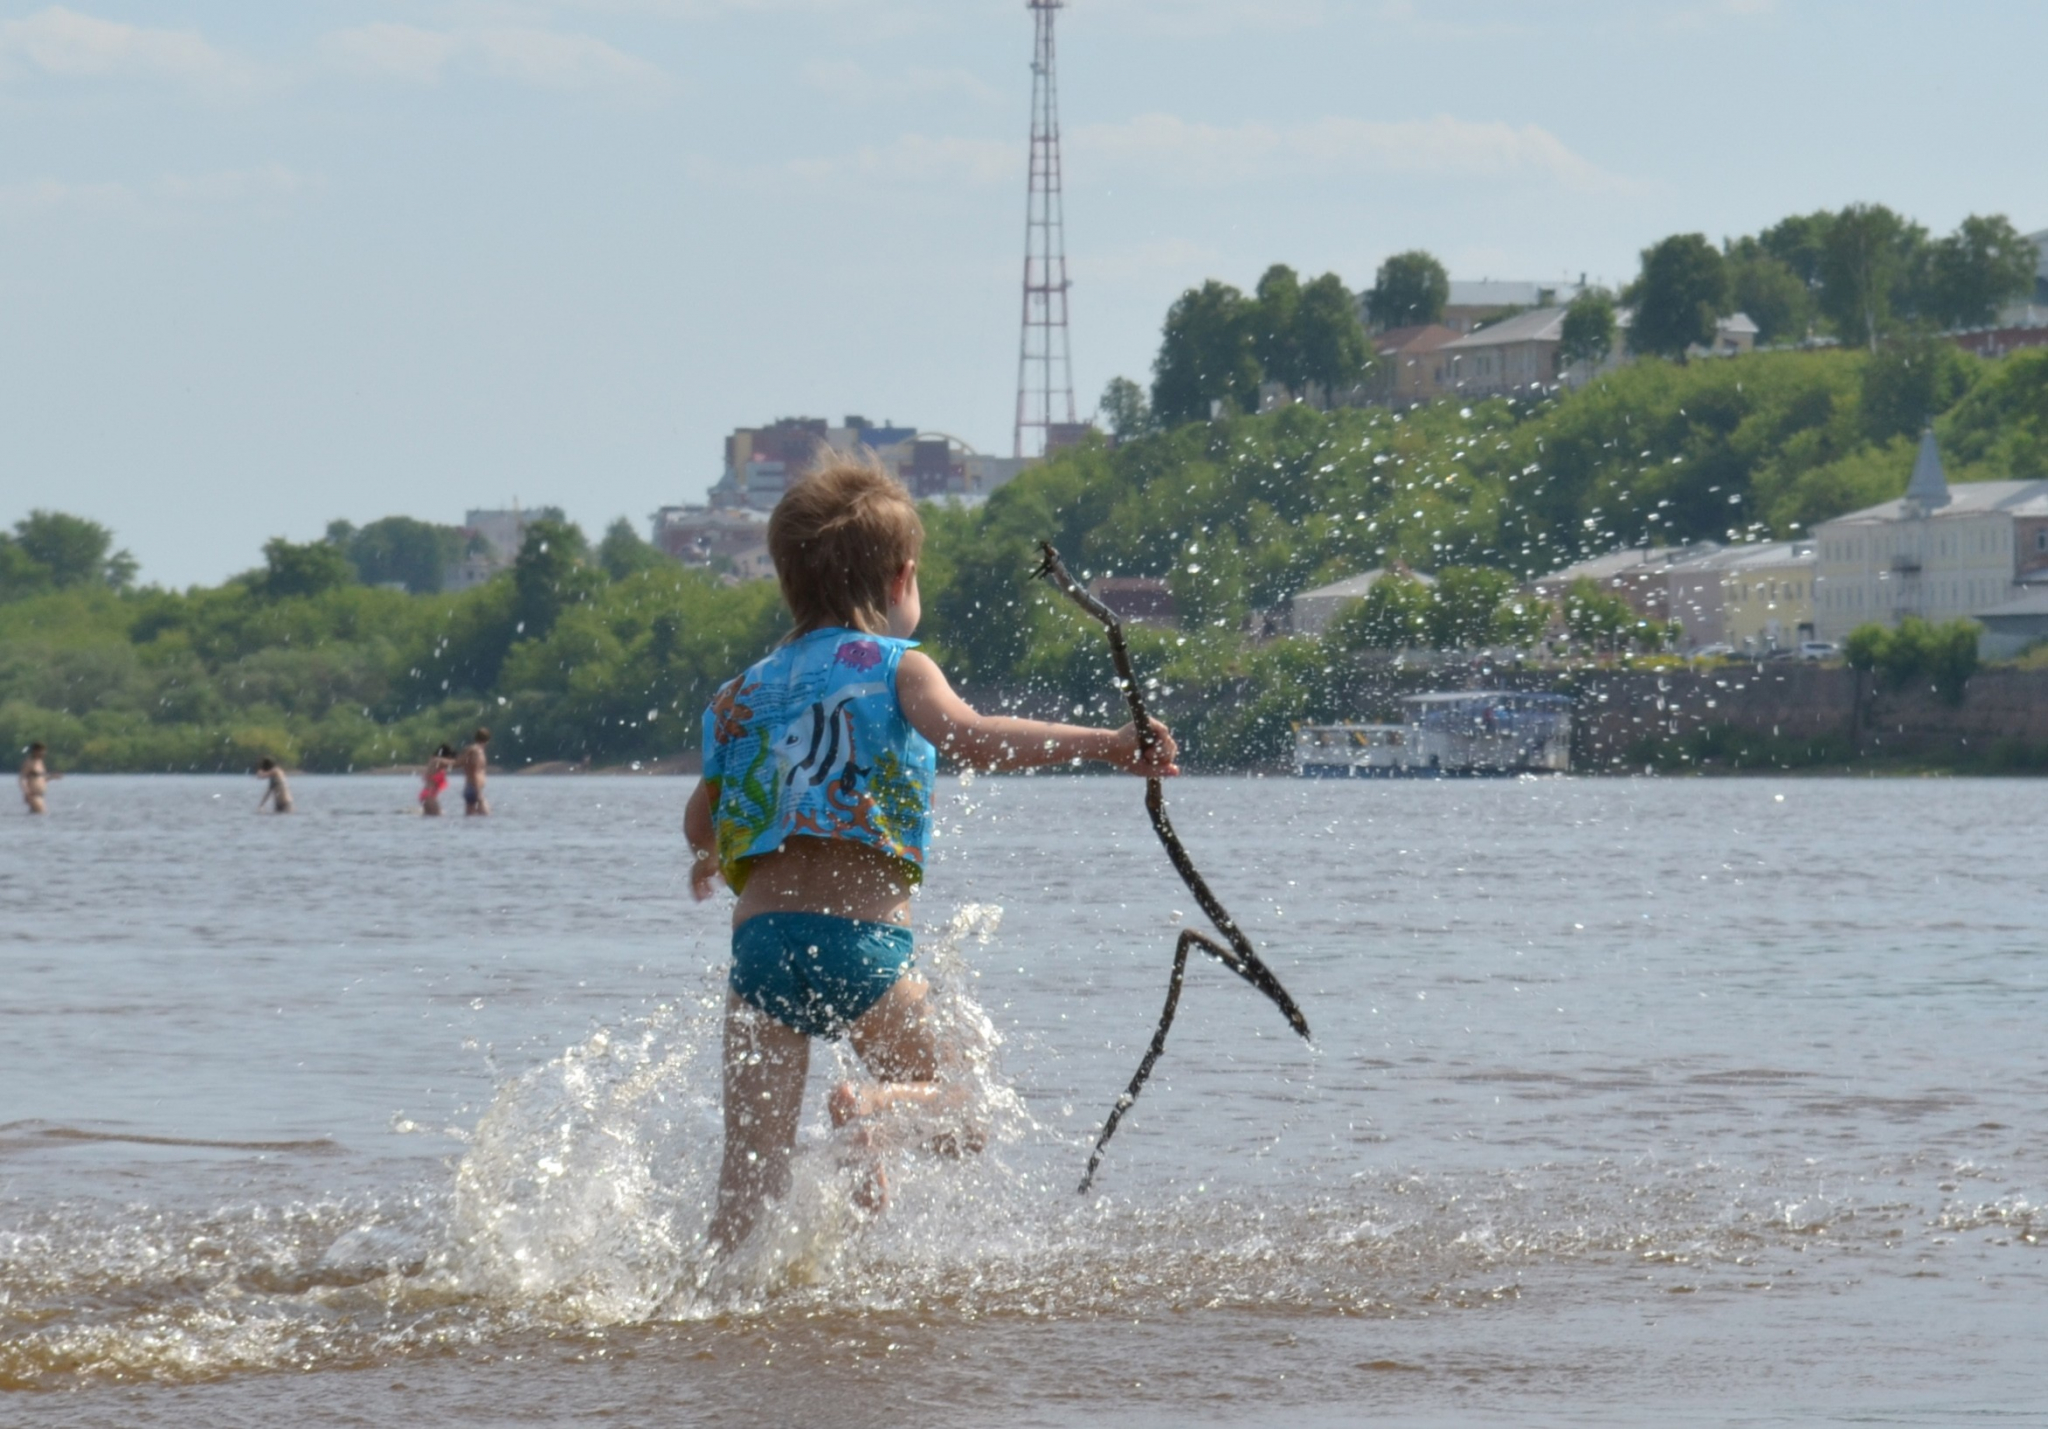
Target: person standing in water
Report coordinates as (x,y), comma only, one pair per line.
(815,808)
(279,794)
(472,763)
(434,781)
(34,778)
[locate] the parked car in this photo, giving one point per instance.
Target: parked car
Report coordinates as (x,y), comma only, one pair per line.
(1717,651)
(1818,650)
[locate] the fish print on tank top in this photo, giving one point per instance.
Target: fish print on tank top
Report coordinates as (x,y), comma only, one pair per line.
(811,742)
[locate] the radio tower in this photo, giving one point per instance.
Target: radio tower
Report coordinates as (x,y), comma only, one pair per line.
(1045,371)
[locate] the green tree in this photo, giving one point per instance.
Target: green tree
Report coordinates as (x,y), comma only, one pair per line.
(1410,290)
(1599,619)
(401,550)
(20,574)
(1976,270)
(1126,409)
(1776,299)
(1276,338)
(1520,620)
(1465,604)
(1800,243)
(1206,356)
(1210,583)
(1682,289)
(623,553)
(550,574)
(1918,652)
(2003,420)
(1870,263)
(291,569)
(1395,615)
(1588,329)
(50,550)
(1909,382)
(1334,352)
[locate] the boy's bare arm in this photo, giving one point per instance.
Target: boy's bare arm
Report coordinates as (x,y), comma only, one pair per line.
(703,841)
(965,735)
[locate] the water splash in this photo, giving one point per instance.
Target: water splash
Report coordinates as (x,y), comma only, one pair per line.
(582,1193)
(590,1181)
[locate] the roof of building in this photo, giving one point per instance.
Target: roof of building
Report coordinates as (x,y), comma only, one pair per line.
(1737,323)
(1633,558)
(1487,293)
(1426,338)
(1539,699)
(1536,325)
(2035,604)
(1966,498)
(1929,486)
(1352,587)
(1778,553)
(1751,555)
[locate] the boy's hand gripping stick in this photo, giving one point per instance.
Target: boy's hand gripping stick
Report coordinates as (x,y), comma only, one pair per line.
(1240,957)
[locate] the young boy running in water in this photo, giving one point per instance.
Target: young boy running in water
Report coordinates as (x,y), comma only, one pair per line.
(815,807)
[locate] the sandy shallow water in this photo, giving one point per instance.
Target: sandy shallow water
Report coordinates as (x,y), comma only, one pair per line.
(1631,1100)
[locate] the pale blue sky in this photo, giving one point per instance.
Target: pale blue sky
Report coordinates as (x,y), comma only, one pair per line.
(263,265)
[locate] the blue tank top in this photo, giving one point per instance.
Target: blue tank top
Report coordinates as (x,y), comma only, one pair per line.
(811,741)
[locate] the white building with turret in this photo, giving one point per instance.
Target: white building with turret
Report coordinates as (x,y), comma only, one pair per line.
(1938,552)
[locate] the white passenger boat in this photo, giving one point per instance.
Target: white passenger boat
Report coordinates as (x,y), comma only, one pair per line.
(1349,751)
(1452,733)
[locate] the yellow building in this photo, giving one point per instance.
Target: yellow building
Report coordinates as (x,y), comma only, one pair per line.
(1767,595)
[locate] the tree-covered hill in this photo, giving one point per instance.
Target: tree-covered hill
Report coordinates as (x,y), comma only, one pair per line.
(1239,513)
(300,661)
(610,654)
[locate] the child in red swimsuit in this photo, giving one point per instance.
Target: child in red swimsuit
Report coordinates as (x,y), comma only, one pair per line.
(434,781)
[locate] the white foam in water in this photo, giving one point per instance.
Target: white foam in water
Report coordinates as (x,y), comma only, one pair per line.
(582,1199)
(589,1183)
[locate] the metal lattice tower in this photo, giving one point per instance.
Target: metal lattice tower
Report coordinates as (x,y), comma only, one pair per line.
(1045,370)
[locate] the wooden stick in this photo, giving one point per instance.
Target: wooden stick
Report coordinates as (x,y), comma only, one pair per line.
(1239,956)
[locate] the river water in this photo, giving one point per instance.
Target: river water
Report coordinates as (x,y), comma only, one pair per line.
(1693,1101)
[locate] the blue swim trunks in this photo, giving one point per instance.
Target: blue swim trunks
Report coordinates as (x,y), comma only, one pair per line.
(813,972)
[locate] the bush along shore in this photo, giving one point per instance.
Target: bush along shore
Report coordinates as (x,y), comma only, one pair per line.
(607,655)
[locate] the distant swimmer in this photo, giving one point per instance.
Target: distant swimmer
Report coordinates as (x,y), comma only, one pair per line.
(35,779)
(472,762)
(434,781)
(278,794)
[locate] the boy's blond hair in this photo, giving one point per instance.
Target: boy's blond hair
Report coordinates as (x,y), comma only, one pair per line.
(838,538)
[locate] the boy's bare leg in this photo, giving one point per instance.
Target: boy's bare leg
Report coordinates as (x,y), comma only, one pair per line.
(765,1066)
(896,1040)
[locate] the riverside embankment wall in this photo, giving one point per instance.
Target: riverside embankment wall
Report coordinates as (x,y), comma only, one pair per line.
(1755,715)
(1837,712)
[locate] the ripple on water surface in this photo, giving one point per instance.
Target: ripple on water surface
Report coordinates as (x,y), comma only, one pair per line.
(1582,1128)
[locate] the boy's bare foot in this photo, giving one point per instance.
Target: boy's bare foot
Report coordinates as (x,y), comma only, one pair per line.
(847,1104)
(871,1191)
(857,1101)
